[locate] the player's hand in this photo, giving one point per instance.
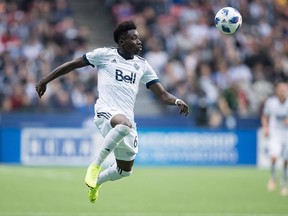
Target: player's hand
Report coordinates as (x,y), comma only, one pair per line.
(41,88)
(184,109)
(265,131)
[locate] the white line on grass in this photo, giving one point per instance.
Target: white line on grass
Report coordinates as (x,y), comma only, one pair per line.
(134,214)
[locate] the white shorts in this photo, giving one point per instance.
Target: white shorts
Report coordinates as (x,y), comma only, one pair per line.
(278,146)
(128,148)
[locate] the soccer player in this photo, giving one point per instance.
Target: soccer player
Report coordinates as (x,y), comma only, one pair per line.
(275,127)
(120,71)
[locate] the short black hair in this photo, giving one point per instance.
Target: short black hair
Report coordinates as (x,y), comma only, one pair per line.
(122,28)
(279,80)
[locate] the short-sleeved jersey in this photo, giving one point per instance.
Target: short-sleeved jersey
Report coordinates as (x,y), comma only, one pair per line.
(119,79)
(277,112)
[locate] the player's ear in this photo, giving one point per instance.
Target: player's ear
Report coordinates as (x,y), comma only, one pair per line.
(121,41)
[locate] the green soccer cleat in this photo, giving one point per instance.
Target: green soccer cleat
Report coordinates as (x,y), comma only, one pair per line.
(93,194)
(92,175)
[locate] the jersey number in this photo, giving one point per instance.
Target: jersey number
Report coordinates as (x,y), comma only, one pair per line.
(135,141)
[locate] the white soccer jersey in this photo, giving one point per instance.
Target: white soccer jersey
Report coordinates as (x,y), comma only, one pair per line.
(118,79)
(277,112)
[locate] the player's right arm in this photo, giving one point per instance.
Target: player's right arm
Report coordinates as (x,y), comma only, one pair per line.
(60,71)
(264,122)
(265,117)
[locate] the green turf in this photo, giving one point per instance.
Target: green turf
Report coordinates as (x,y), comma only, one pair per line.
(35,191)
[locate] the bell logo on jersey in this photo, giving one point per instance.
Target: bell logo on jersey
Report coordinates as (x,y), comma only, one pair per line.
(126,78)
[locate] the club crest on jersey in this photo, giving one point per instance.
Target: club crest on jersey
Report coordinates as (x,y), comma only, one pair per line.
(126,78)
(113,61)
(136,66)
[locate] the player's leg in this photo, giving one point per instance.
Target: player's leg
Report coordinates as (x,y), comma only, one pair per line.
(275,150)
(116,171)
(125,154)
(272,181)
(121,127)
(284,190)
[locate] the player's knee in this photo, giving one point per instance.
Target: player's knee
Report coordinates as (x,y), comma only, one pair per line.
(125,173)
(123,129)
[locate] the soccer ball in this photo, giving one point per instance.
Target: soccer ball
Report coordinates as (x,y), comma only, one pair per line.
(228,20)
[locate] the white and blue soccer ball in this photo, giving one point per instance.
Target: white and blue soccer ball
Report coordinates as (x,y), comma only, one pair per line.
(228,20)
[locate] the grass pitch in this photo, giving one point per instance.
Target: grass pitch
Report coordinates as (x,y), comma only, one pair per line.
(161,191)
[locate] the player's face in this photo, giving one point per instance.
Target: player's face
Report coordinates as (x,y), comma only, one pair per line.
(132,43)
(281,91)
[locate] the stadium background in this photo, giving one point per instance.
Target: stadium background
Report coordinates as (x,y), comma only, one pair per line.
(218,147)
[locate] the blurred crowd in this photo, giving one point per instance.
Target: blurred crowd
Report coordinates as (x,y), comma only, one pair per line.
(219,76)
(36,37)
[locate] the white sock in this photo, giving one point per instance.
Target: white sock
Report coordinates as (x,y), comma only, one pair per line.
(285,177)
(273,171)
(112,139)
(112,173)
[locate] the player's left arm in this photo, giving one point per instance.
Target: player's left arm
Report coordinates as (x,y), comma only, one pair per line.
(61,70)
(169,99)
(286,121)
